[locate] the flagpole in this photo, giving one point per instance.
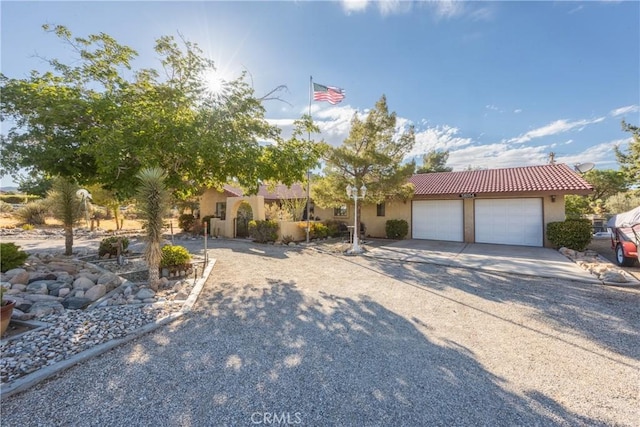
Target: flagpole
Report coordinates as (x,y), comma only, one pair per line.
(309,171)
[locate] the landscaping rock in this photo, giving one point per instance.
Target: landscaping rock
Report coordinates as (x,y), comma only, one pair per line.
(43,308)
(41,297)
(13,272)
(21,315)
(83,283)
(145,293)
(109,280)
(63,292)
(39,287)
(75,303)
(20,278)
(19,287)
(614,277)
(96,292)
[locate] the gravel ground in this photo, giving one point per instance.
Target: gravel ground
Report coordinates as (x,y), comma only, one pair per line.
(293,336)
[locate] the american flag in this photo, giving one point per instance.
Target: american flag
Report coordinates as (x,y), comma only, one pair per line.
(331,94)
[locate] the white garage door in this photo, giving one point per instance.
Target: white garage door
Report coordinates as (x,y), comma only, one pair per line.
(437,220)
(509,221)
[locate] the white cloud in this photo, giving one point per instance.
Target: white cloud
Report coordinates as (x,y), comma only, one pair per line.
(559,126)
(517,111)
(447,8)
(491,107)
(575,9)
(624,110)
(281,122)
(600,154)
(390,7)
(354,5)
(482,14)
(437,138)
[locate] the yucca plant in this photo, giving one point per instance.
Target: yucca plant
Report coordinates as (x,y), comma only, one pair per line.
(153,205)
(67,207)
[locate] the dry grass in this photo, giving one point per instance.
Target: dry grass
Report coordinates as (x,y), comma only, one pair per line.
(7,221)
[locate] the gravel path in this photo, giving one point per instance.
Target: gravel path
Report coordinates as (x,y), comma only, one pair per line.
(285,335)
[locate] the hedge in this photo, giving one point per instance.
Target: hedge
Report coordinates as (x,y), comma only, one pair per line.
(263,231)
(397,229)
(572,233)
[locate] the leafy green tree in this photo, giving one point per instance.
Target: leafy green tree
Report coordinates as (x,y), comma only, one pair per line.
(630,161)
(435,161)
(66,206)
(605,183)
(153,205)
(371,155)
(108,199)
(98,120)
(576,206)
(35,184)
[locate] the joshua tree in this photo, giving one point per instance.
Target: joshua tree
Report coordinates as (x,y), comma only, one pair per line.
(153,204)
(67,207)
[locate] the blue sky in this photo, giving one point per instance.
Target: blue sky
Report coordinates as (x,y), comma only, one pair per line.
(498,84)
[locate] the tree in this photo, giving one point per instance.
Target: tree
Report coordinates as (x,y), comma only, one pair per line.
(605,183)
(99,120)
(576,206)
(37,185)
(153,204)
(622,202)
(371,155)
(630,161)
(66,206)
(435,161)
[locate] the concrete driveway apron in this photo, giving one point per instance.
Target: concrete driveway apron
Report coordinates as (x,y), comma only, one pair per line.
(530,261)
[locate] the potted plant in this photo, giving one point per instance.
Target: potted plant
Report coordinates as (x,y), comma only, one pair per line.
(6,309)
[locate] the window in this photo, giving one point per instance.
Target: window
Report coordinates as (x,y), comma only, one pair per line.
(380,209)
(221,210)
(341,211)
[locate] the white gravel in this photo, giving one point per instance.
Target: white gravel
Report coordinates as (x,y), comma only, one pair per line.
(284,335)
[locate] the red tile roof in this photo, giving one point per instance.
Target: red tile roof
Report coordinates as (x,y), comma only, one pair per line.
(558,177)
(281,191)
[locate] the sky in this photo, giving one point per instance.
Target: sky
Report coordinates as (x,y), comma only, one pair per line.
(497,84)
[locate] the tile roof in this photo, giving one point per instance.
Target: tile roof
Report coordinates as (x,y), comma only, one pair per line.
(558,177)
(281,191)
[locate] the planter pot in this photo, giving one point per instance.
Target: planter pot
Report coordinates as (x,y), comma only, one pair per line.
(5,316)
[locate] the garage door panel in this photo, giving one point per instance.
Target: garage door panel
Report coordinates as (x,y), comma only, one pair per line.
(438,220)
(509,221)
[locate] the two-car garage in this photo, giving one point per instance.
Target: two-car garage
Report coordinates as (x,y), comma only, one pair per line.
(516,221)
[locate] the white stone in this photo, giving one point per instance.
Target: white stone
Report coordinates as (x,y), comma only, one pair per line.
(63,292)
(145,293)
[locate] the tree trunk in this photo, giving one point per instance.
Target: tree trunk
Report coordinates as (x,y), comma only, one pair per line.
(116,217)
(68,240)
(154,277)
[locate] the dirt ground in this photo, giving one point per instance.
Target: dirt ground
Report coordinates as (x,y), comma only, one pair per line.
(7,221)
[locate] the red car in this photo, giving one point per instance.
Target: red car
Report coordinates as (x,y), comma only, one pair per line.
(625,236)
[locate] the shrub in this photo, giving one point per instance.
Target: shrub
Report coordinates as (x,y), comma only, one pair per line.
(33,213)
(110,246)
(317,230)
(397,229)
(5,207)
(186,221)
(173,256)
(334,227)
(263,231)
(28,227)
(573,234)
(17,199)
(11,256)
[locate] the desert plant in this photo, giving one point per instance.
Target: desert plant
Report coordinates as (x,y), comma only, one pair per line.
(28,227)
(5,207)
(11,256)
(66,206)
(174,256)
(33,213)
(109,245)
(572,233)
(186,221)
(153,203)
(397,229)
(334,228)
(263,231)
(273,211)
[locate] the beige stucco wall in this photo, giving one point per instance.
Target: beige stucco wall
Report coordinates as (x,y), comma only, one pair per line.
(208,201)
(293,229)
(375,226)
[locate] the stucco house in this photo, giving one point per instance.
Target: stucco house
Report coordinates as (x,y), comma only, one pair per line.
(503,206)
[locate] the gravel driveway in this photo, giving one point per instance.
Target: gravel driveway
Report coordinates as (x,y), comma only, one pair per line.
(294,336)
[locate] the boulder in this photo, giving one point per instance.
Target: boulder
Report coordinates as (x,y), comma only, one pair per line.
(145,293)
(21,315)
(6,285)
(96,292)
(39,287)
(83,283)
(613,276)
(75,303)
(41,297)
(91,276)
(13,272)
(55,286)
(63,292)
(43,308)
(109,280)
(63,276)
(20,278)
